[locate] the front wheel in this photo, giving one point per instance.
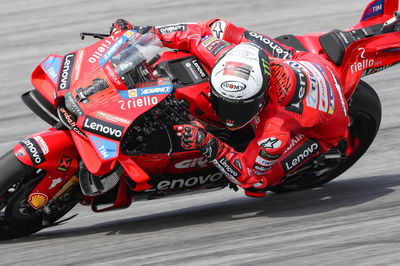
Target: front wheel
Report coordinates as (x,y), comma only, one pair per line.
(17,217)
(365,113)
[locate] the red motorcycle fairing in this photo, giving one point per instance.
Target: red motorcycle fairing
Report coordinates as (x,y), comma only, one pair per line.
(380,10)
(54,152)
(370,52)
(369,55)
(104,117)
(45,77)
(197,96)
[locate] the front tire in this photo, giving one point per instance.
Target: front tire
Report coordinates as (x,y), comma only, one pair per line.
(17,217)
(365,112)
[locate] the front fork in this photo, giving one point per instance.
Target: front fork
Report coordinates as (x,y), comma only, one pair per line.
(54,152)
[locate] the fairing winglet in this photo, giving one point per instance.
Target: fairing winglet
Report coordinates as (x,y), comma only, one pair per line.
(379,8)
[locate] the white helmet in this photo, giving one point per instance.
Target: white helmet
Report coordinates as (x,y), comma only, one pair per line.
(239,83)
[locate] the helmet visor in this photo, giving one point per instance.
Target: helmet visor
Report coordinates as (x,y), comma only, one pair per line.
(236,114)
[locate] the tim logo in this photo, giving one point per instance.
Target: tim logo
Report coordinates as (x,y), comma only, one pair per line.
(64,164)
(374,9)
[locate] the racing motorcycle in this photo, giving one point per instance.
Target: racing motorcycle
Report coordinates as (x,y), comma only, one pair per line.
(108,145)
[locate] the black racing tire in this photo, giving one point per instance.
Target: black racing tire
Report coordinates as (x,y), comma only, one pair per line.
(17,217)
(365,111)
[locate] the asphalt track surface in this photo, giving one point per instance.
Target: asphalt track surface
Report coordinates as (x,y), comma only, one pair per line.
(352,220)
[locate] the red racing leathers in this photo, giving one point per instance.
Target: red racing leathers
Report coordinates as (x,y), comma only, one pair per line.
(306,112)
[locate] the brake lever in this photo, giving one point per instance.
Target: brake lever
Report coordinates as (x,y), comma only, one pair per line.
(94,35)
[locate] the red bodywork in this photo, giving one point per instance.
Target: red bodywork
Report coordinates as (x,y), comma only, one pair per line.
(65,148)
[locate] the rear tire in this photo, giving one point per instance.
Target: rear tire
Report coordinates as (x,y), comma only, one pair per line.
(365,111)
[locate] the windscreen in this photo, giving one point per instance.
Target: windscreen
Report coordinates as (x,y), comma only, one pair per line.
(132,61)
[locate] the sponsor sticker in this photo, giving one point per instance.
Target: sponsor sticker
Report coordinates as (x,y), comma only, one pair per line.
(104,45)
(112,118)
(55,182)
(374,70)
(114,48)
(261,168)
(218,48)
(269,45)
(207,40)
(233,86)
(281,81)
(52,67)
(78,65)
(237,69)
(70,121)
(319,78)
(215,46)
(228,167)
(66,72)
(192,163)
(339,91)
(37,200)
(296,139)
(42,144)
(264,154)
(302,154)
(270,143)
(64,164)
(375,9)
(112,75)
(20,152)
(105,148)
(138,102)
(296,103)
(264,162)
(72,105)
(196,71)
(218,29)
(141,92)
(173,183)
(238,164)
(34,151)
(171,28)
(103,128)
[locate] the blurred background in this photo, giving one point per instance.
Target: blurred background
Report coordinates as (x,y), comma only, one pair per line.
(352,220)
(32,29)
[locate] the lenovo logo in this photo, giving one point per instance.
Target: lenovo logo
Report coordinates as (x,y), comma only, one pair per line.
(103,128)
(186,183)
(33,149)
(302,154)
(66,72)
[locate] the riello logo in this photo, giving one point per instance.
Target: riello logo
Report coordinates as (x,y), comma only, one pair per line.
(359,66)
(98,53)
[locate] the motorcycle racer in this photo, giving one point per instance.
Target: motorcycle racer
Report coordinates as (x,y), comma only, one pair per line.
(291,98)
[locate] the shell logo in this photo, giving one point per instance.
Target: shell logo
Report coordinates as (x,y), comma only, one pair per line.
(128,33)
(37,200)
(132,93)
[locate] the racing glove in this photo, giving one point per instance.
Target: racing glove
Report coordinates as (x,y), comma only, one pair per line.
(231,163)
(122,24)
